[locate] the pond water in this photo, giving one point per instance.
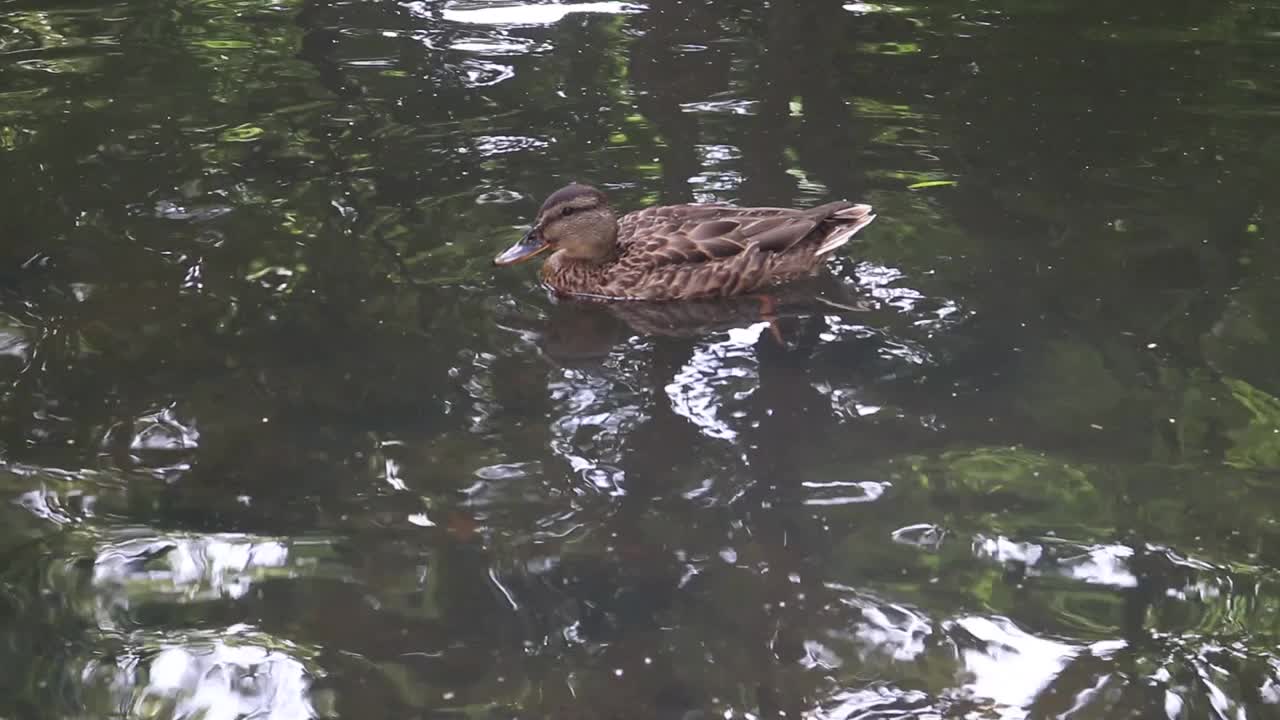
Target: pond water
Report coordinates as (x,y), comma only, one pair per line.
(277,441)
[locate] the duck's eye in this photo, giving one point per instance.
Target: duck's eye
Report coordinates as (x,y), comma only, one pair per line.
(567,212)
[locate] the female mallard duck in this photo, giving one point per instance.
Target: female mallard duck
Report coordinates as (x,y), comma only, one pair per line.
(679,252)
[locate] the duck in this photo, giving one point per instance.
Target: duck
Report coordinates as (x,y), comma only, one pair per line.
(679,252)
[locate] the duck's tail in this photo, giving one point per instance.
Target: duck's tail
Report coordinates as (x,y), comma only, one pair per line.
(844,224)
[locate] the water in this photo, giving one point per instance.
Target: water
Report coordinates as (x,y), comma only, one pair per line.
(276,441)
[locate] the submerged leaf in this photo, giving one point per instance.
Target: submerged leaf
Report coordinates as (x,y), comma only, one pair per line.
(931,183)
(242,133)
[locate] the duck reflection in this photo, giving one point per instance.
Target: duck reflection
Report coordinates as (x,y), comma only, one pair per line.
(574,333)
(750,394)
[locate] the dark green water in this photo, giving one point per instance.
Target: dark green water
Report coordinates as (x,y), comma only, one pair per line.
(277,442)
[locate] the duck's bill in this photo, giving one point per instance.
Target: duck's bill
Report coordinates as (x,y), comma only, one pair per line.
(531,244)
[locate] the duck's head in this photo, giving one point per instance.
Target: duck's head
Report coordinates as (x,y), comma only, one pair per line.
(576,220)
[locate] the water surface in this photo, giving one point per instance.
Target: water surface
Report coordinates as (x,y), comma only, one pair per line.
(277,442)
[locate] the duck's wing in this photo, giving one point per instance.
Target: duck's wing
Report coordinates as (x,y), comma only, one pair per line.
(680,234)
(692,251)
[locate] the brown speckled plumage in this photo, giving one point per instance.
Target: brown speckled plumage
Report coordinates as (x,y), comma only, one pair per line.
(680,252)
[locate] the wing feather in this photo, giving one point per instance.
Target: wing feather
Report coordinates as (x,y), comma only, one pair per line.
(717,250)
(706,233)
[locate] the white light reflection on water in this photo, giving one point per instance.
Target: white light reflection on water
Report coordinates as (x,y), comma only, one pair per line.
(484,13)
(1096,565)
(490,145)
(846,402)
(726,368)
(162,430)
(988,660)
(198,567)
(500,45)
(480,73)
(895,630)
(223,678)
(1103,565)
(594,416)
(14,341)
(718,176)
(875,702)
(838,492)
(861,8)
(734,106)
(1012,666)
(711,185)
(132,572)
(882,283)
